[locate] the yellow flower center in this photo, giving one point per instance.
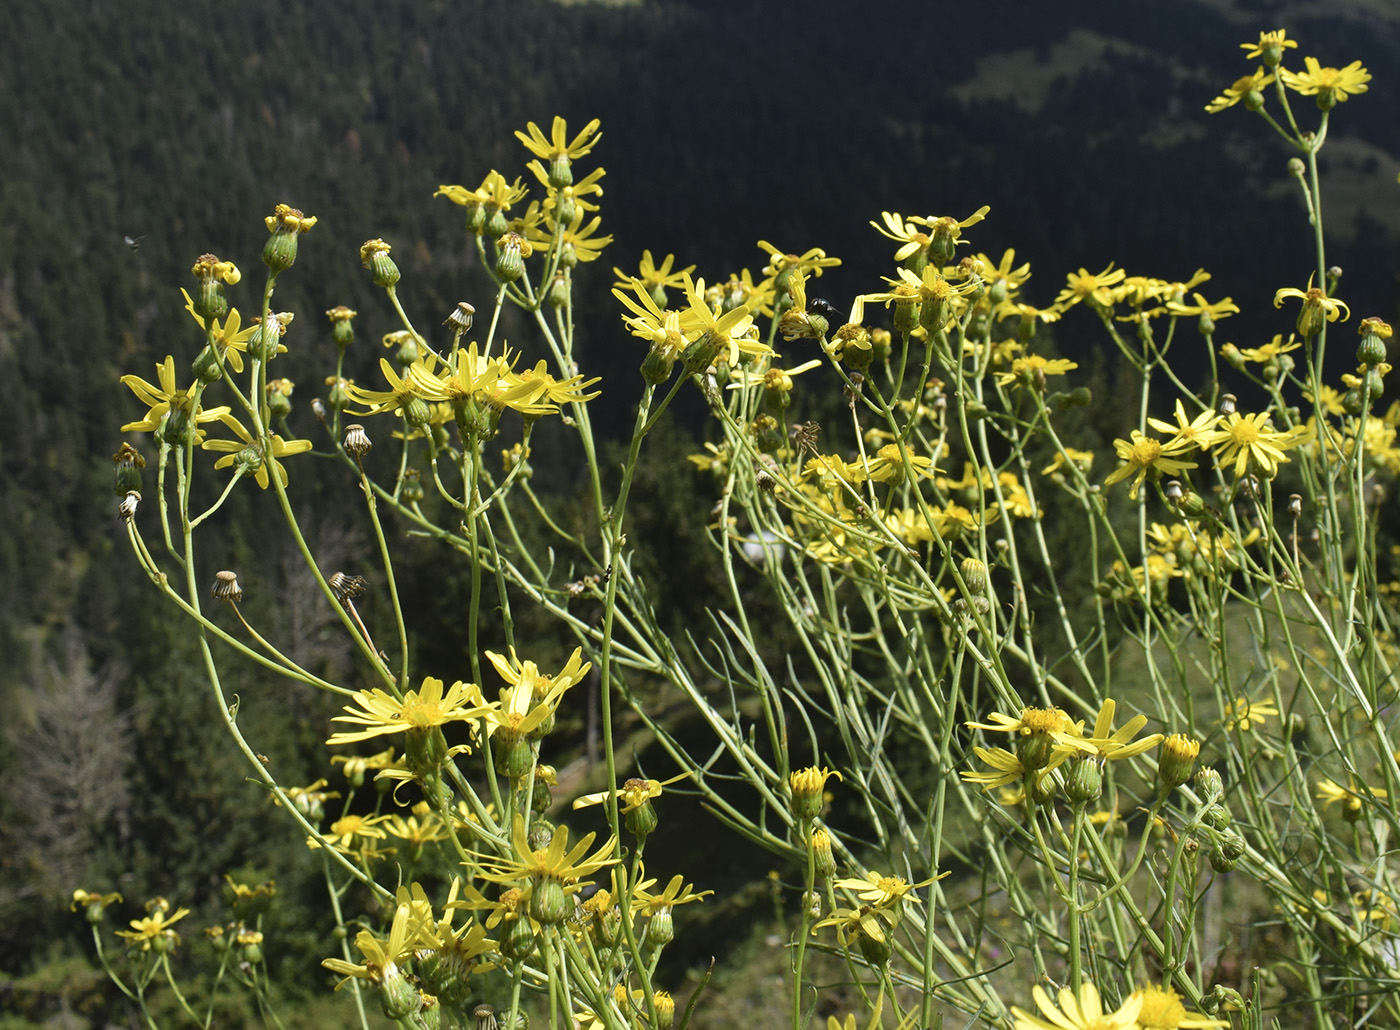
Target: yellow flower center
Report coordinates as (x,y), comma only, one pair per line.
(1161,1009)
(1145,452)
(1244,433)
(1041,720)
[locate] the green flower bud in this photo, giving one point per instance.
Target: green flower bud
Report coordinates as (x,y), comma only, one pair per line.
(548,902)
(397,997)
(1083,782)
(519,941)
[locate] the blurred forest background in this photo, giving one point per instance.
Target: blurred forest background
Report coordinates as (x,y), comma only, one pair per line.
(724,122)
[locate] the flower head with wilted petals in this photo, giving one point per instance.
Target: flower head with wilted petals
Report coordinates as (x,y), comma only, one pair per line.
(1316,306)
(380,713)
(1084,1012)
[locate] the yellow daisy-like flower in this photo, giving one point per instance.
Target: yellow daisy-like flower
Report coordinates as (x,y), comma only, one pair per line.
(1251,441)
(230,339)
(1143,456)
(1242,714)
(1220,309)
(1270,350)
(576,237)
(1032,370)
(1110,745)
(651,277)
(1239,90)
(909,235)
(1162,1010)
(1086,286)
(381,713)
(676,892)
(381,958)
(245,450)
(1083,460)
(164,399)
(812,260)
(1082,1012)
(883,891)
(1006,768)
(1194,432)
(1331,86)
(1331,793)
(557,145)
(154,930)
(1270,47)
(729,330)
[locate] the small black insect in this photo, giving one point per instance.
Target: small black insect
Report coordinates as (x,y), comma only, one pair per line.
(826,309)
(134,242)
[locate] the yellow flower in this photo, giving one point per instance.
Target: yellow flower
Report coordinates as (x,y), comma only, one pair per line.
(1331,86)
(166,400)
(651,277)
(1033,368)
(1239,90)
(1249,440)
(1083,460)
(1111,746)
(813,260)
(632,794)
(728,330)
(1242,713)
(380,713)
(1006,768)
(1187,432)
(1330,793)
(381,958)
(1162,1010)
(242,454)
(676,892)
(1003,272)
(551,873)
(230,339)
(349,831)
(1316,306)
(910,235)
(557,145)
(1084,1012)
(1220,309)
(1270,46)
(1085,286)
(1142,455)
(883,891)
(1270,350)
(154,930)
(575,238)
